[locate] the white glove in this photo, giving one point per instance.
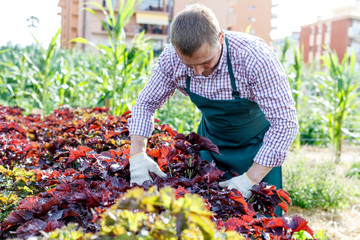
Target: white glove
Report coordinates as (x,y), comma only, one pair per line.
(241,183)
(140,166)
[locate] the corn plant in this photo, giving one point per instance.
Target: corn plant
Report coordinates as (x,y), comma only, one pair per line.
(339,94)
(16,78)
(285,48)
(4,86)
(295,83)
(294,76)
(45,71)
(122,66)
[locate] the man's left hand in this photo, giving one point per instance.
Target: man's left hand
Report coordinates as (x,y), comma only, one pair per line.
(242,183)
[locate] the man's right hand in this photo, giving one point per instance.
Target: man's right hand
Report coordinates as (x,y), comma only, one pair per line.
(140,166)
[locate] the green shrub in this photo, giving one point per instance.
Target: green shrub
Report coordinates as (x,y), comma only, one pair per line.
(354,170)
(303,235)
(315,185)
(180,113)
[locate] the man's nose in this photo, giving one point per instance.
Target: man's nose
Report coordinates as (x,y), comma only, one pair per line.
(198,70)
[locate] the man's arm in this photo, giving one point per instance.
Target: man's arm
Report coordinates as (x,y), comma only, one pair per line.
(271,90)
(257,172)
(140,163)
(141,124)
(138,145)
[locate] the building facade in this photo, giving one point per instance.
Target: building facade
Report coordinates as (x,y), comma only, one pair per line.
(341,34)
(155,16)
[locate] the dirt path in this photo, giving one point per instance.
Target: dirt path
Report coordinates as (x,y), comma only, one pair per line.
(336,225)
(343,225)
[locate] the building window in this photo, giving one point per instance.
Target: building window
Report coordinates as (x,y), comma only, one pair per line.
(327,38)
(318,48)
(151,29)
(152,5)
(356,28)
(319,29)
(252,7)
(312,30)
(328,27)
(251,19)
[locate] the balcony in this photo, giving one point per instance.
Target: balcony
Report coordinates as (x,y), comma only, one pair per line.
(153,18)
(151,31)
(153,8)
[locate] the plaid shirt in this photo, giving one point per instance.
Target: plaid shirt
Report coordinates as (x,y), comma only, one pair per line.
(259,78)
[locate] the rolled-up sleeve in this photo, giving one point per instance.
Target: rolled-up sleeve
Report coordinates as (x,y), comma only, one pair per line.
(157,91)
(272,93)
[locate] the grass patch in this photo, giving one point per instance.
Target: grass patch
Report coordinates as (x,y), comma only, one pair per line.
(318,184)
(354,170)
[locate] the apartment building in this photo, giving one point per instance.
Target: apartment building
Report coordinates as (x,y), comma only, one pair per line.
(341,34)
(155,16)
(238,15)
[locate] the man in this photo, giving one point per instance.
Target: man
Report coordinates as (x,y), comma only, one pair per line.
(239,86)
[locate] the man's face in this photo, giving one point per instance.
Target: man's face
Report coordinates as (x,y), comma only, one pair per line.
(204,60)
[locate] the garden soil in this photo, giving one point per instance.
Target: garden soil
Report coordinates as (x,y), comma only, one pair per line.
(340,224)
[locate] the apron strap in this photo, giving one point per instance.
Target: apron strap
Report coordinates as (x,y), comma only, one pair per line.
(235,92)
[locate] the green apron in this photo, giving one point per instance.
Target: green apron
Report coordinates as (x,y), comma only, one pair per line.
(237,127)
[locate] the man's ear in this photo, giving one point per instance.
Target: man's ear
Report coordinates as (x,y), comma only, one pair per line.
(222,37)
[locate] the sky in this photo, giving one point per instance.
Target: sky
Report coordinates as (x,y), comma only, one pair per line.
(14,27)
(14,24)
(291,14)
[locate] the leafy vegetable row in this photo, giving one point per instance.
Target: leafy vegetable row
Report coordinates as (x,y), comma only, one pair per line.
(81,161)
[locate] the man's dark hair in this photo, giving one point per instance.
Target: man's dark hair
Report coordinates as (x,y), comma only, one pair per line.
(192,27)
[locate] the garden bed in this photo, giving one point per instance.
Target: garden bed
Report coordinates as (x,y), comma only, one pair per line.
(77,164)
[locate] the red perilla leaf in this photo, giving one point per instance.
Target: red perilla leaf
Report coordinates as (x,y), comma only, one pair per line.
(275,223)
(33,227)
(180,192)
(283,206)
(297,223)
(284,195)
(235,224)
(69,171)
(171,131)
(18,217)
(52,225)
(55,174)
(126,113)
(155,153)
(64,187)
(75,155)
(27,203)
